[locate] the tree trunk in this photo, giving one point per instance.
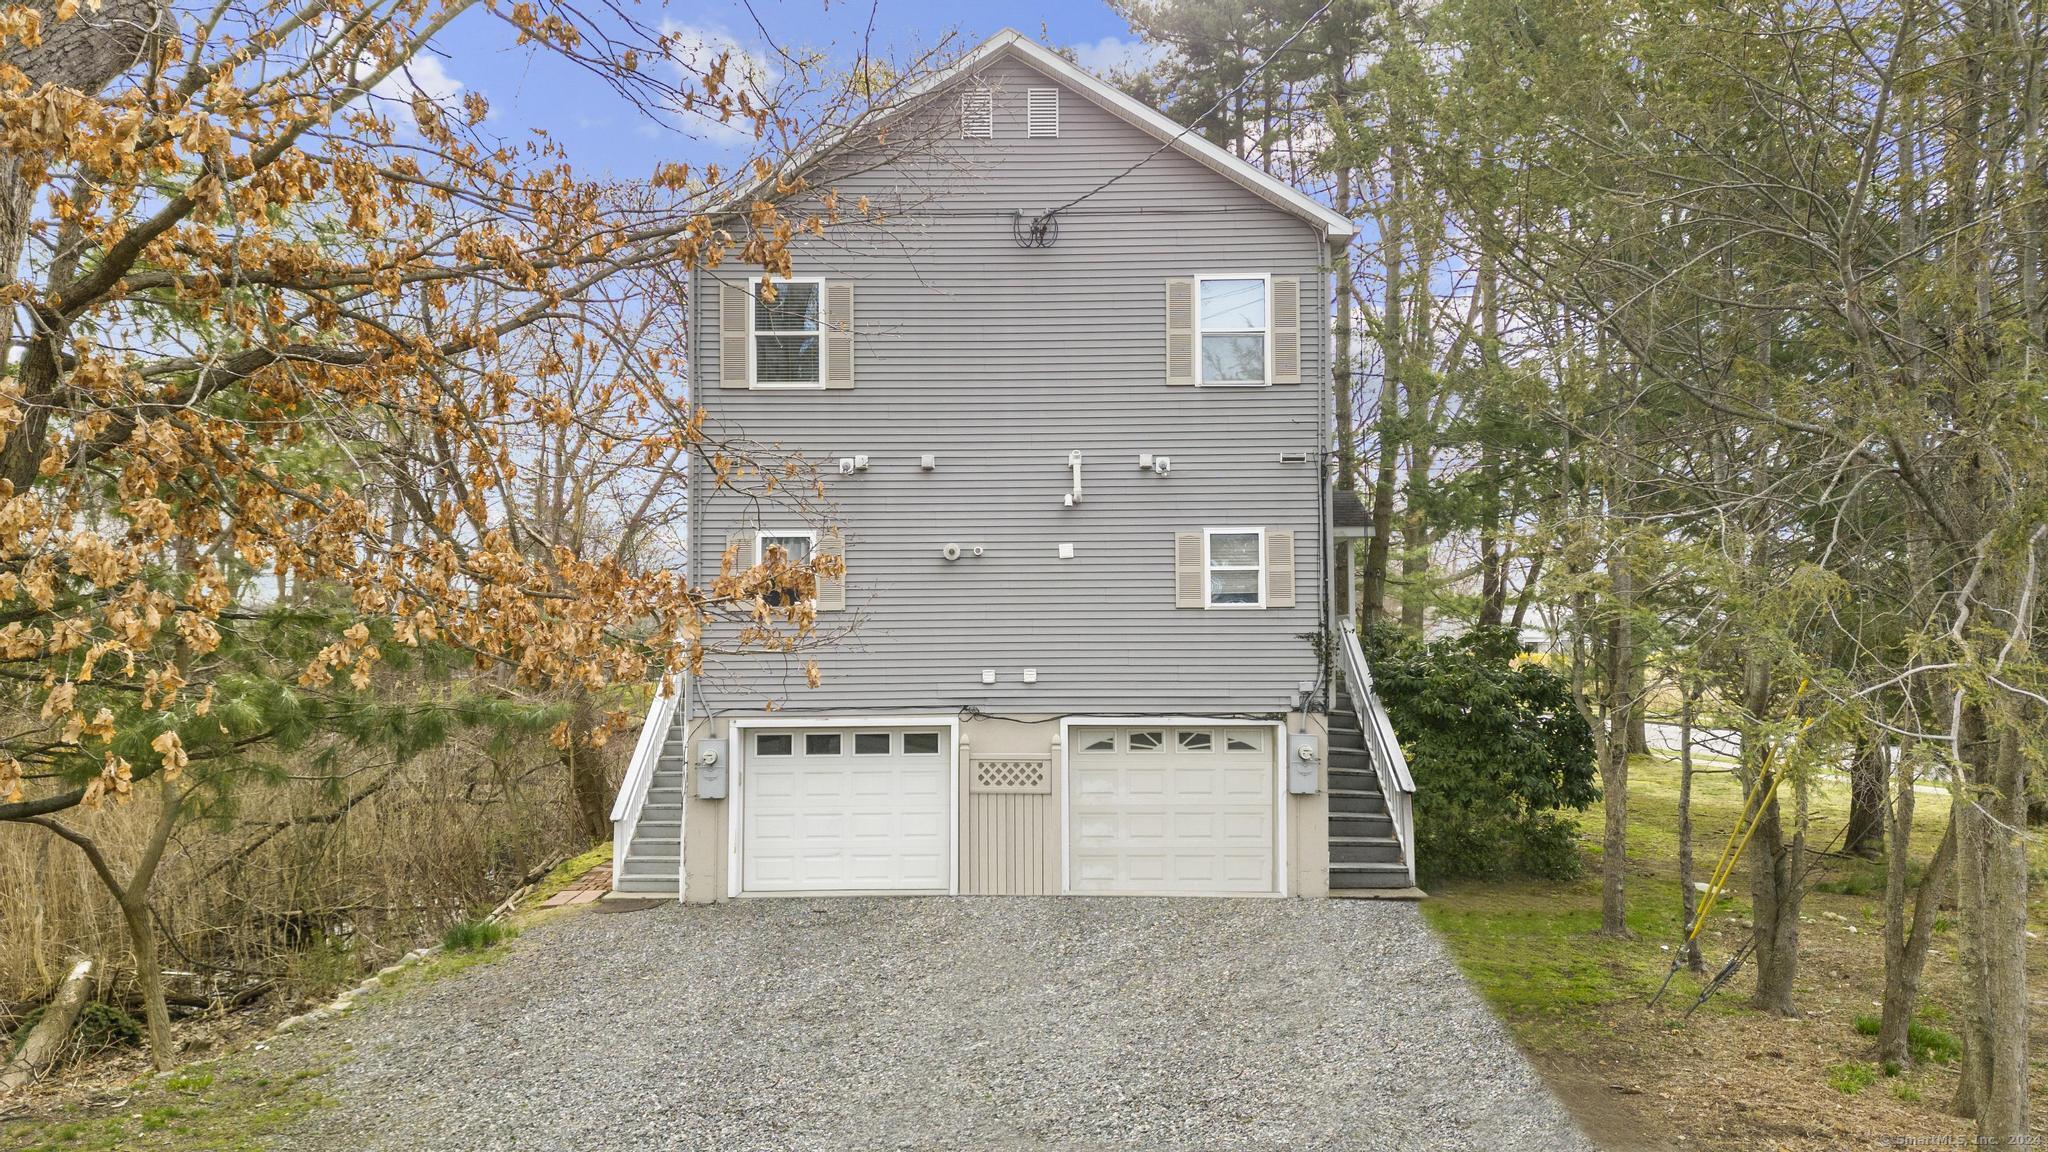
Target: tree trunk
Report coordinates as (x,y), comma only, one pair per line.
(589,783)
(1905,942)
(1991,870)
(1868,771)
(149,981)
(1777,864)
(45,1041)
(1614,768)
(1688,899)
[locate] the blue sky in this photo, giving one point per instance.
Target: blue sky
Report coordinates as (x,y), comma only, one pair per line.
(529,89)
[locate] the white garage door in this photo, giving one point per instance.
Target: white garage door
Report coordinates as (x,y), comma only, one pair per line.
(846,809)
(1168,809)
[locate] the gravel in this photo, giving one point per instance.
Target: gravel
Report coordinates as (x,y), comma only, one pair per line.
(945,1024)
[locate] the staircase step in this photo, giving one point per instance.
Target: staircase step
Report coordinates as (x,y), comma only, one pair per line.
(1357,803)
(645,885)
(1369,875)
(1354,780)
(1343,825)
(657,830)
(1354,758)
(660,797)
(1347,738)
(654,864)
(1365,850)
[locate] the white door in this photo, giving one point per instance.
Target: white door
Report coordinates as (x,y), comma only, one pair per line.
(1169,809)
(846,809)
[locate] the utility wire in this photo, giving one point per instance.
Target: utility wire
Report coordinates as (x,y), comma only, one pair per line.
(1250,76)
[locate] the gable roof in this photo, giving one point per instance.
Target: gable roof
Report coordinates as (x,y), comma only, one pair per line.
(1146,119)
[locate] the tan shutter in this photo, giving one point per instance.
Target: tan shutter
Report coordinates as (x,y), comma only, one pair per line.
(1188,578)
(838,335)
(1279,569)
(832,589)
(1285,302)
(1180,331)
(740,546)
(734,310)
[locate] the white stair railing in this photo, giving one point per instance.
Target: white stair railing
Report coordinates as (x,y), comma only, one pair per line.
(1388,762)
(640,772)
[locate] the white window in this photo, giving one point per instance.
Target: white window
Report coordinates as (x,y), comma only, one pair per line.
(792,545)
(1249,742)
(1197,741)
(1147,741)
(870,743)
(774,744)
(1234,561)
(1230,324)
(821,744)
(787,332)
(920,743)
(1101,744)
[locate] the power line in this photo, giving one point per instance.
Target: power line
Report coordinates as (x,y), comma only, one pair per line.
(1044,218)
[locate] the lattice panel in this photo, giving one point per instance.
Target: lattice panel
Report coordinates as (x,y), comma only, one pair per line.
(1016,774)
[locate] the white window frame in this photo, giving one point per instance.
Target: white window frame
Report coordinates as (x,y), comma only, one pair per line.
(762,536)
(754,342)
(1209,566)
(1265,329)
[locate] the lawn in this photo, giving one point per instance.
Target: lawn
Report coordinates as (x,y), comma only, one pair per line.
(1643,1077)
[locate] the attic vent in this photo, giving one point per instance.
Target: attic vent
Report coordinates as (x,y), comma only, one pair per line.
(977,113)
(1043,112)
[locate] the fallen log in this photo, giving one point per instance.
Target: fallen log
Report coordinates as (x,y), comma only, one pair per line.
(46,1040)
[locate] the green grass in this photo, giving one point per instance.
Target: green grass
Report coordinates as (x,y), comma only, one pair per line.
(227,1106)
(475,935)
(566,872)
(1924,1041)
(1852,1077)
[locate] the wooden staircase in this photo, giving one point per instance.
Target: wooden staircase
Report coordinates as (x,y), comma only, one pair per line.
(1364,852)
(653,862)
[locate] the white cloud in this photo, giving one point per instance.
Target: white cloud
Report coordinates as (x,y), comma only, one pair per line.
(1112,54)
(424,74)
(692,49)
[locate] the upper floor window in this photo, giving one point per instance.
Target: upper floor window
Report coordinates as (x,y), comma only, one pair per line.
(792,546)
(1234,560)
(1230,323)
(786,335)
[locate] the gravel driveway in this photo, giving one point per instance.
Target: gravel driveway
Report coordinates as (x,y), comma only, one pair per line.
(946,1024)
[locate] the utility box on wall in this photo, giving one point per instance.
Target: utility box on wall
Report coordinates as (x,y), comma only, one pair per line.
(1304,762)
(710,765)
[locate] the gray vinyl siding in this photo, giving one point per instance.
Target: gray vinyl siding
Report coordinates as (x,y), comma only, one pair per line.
(1000,361)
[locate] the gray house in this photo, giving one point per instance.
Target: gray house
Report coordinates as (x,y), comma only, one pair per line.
(1074,464)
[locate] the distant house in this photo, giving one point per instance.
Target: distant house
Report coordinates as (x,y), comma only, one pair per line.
(1076,471)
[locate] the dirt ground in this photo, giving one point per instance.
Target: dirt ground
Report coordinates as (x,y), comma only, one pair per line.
(1638,1077)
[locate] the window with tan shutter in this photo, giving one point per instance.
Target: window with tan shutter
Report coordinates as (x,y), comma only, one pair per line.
(1233,330)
